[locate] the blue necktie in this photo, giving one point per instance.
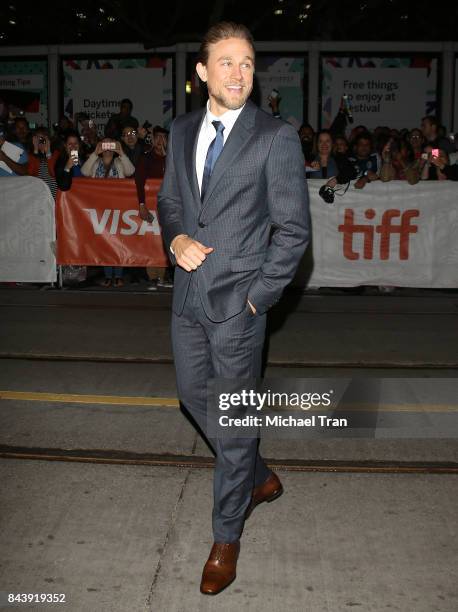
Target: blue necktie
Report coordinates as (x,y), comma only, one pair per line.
(214,150)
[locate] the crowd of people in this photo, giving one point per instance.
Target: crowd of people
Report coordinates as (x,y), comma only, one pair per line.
(340,154)
(75,149)
(385,154)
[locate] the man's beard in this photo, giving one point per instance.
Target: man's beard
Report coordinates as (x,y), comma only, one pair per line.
(227,102)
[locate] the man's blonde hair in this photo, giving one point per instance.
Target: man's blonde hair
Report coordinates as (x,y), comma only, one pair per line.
(222,31)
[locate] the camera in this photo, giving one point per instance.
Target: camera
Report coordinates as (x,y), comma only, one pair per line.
(42,140)
(327,194)
(108,146)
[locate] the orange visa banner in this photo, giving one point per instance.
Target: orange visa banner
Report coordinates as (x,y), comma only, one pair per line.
(98,224)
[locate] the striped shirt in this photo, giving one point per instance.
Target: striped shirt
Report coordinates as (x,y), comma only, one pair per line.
(43,173)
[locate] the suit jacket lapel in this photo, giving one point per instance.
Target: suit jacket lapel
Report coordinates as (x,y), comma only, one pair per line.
(190,147)
(237,140)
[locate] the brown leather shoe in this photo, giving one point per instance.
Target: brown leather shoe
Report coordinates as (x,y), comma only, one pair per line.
(219,571)
(267,492)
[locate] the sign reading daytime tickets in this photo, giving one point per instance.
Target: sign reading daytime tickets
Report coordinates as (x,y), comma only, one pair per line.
(98,93)
(395,96)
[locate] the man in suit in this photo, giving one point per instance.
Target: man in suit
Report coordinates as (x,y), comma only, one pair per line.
(233,208)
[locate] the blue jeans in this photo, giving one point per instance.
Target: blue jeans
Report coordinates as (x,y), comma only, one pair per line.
(108,272)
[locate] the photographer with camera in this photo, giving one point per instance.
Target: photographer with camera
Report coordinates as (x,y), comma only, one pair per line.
(42,160)
(327,164)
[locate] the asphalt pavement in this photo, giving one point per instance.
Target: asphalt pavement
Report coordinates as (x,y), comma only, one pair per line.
(106,486)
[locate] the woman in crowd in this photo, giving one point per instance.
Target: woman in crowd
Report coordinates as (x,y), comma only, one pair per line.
(68,164)
(42,161)
(416,141)
(399,163)
(109,161)
(326,163)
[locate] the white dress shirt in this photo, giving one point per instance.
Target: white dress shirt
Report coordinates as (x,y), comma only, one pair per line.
(207,134)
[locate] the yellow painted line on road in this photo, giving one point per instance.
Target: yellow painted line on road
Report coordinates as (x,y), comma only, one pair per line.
(172,402)
(73,398)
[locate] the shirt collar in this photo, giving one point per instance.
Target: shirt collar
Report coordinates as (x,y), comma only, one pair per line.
(228,118)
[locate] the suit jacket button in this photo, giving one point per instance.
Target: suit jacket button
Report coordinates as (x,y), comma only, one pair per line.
(201,224)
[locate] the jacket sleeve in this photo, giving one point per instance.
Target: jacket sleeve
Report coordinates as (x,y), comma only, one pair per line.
(288,206)
(87,169)
(451,172)
(169,201)
(52,163)
(63,179)
(127,166)
(140,178)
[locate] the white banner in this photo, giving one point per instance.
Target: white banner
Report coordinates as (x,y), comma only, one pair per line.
(382,91)
(98,93)
(27,231)
(386,234)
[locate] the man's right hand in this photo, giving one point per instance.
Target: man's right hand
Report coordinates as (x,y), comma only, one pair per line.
(189,253)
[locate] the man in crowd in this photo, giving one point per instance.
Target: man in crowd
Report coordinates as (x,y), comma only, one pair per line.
(131,143)
(13,153)
(116,123)
(151,164)
(367,164)
(432,140)
(22,132)
(307,136)
(430,129)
